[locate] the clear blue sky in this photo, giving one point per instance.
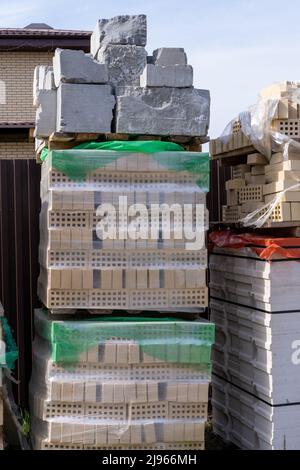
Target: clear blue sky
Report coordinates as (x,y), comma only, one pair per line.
(235,46)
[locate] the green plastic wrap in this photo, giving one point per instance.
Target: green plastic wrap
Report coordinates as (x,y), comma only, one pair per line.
(11,352)
(128,258)
(167,339)
(78,162)
(140,146)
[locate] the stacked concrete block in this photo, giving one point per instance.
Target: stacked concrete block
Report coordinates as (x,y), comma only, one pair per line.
(81,270)
(119,385)
(78,108)
(43,79)
(120,44)
(255,307)
(168,68)
(73,96)
(162,111)
(262,181)
(77,67)
(125,63)
(165,102)
(153,95)
(119,30)
(178,76)
(46,113)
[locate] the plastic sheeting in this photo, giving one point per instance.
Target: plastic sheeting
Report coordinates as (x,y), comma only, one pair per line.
(185,340)
(122,230)
(132,384)
(10,355)
(265,247)
(256,124)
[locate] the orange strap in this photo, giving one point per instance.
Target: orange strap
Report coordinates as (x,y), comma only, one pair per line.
(264,247)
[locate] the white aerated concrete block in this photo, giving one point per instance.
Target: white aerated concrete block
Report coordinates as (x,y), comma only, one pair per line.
(169,56)
(45,122)
(123,29)
(84,108)
(77,67)
(177,76)
(162,111)
(251,423)
(42,80)
(125,63)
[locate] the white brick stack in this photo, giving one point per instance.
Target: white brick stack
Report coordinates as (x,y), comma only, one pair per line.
(79,270)
(147,388)
(256,359)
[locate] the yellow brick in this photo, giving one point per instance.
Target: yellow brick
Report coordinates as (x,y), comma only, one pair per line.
(235,183)
(256,159)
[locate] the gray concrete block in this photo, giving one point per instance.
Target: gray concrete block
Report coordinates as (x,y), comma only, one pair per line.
(77,67)
(84,108)
(125,63)
(40,80)
(169,56)
(162,111)
(45,122)
(123,29)
(176,76)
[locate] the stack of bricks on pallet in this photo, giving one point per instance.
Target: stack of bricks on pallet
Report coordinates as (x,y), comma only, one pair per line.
(257,181)
(256,382)
(153,95)
(120,384)
(2,364)
(81,270)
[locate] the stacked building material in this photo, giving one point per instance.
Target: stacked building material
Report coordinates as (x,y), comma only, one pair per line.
(116,383)
(264,153)
(255,304)
(254,285)
(122,227)
(153,95)
(154,269)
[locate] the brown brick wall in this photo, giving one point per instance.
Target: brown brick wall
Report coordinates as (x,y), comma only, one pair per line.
(16,150)
(16,84)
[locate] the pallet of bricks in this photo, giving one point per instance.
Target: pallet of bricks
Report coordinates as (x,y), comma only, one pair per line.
(263,149)
(117,383)
(254,282)
(113,389)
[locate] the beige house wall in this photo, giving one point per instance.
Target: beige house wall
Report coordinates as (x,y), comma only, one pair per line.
(16,78)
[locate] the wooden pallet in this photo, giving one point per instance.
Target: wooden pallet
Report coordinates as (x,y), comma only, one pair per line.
(62,141)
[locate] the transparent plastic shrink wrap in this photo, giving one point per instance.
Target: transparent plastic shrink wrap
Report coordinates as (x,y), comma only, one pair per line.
(272,128)
(151,208)
(110,383)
